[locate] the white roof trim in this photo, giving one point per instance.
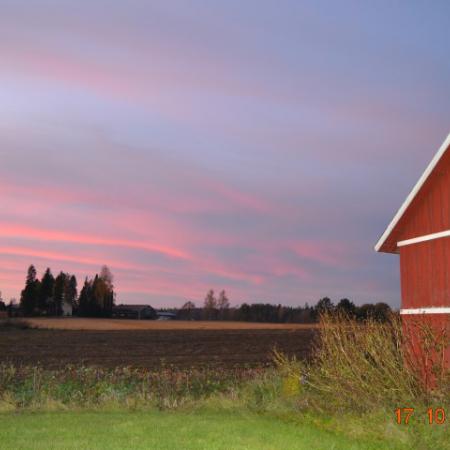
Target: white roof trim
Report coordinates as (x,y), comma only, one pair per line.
(413,193)
(430,310)
(427,237)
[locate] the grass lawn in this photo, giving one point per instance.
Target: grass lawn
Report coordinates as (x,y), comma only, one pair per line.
(167,430)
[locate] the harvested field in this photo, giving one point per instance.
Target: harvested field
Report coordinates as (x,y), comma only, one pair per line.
(75,323)
(152,348)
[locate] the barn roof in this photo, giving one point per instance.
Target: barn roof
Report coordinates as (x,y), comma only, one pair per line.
(132,307)
(381,245)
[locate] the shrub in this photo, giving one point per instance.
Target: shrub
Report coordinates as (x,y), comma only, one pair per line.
(364,366)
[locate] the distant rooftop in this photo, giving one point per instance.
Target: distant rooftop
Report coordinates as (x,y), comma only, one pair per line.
(133,307)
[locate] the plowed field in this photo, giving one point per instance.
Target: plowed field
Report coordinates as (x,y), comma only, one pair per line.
(162,343)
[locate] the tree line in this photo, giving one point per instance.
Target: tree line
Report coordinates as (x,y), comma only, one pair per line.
(219,309)
(56,296)
(49,296)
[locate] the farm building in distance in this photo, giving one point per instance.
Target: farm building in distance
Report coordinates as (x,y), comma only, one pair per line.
(67,308)
(420,234)
(166,315)
(134,312)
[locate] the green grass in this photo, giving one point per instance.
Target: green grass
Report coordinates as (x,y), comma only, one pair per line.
(170,430)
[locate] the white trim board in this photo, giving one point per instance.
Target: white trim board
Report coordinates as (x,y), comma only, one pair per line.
(430,310)
(427,237)
(413,193)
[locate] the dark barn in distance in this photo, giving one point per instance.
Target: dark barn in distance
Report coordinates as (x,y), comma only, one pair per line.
(138,312)
(166,315)
(420,234)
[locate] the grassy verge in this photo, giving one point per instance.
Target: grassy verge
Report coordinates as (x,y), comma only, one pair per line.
(204,429)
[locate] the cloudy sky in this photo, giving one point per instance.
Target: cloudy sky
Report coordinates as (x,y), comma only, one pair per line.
(260,147)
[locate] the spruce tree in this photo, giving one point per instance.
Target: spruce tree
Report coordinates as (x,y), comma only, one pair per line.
(58,293)
(107,291)
(70,294)
(45,291)
(83,299)
(98,296)
(28,297)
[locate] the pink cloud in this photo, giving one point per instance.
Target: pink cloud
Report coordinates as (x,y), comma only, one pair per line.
(329,253)
(56,66)
(21,231)
(61,257)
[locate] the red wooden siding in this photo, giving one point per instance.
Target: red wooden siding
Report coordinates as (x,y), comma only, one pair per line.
(425,274)
(430,214)
(425,266)
(430,210)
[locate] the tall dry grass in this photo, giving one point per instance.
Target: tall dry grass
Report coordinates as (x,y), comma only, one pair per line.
(364,366)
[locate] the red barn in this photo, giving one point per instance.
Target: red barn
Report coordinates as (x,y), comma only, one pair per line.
(420,234)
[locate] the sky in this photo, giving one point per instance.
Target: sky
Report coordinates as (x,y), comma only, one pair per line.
(259,147)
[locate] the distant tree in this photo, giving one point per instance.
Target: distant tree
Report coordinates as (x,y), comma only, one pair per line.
(10,307)
(70,294)
(106,288)
(210,300)
(244,312)
(29,295)
(187,310)
(84,299)
(347,307)
(2,303)
(188,305)
(58,293)
(210,306)
(324,305)
(365,311)
(263,312)
(45,294)
(223,304)
(307,314)
(382,312)
(107,277)
(97,296)
(222,301)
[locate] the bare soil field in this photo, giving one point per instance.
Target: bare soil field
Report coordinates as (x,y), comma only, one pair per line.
(165,345)
(78,323)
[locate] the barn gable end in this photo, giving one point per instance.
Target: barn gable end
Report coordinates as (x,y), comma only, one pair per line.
(420,232)
(426,210)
